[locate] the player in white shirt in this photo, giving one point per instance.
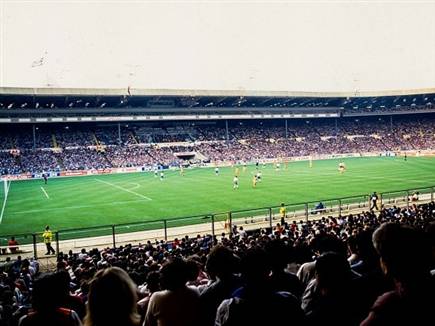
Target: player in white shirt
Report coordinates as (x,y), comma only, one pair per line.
(235,182)
(259,176)
(216,171)
(341,167)
(162,176)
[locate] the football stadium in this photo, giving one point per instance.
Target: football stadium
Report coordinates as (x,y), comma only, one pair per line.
(214,188)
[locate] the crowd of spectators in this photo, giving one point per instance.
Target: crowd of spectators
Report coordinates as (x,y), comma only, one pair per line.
(74,138)
(83,159)
(75,149)
(399,108)
(38,161)
(174,134)
(9,164)
(128,156)
(372,268)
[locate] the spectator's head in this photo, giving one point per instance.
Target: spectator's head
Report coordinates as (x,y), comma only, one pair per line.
(255,267)
(324,243)
(25,263)
(352,245)
(366,251)
(47,293)
(174,274)
(332,271)
(63,280)
(403,252)
(193,269)
(153,281)
(221,262)
(279,254)
(112,299)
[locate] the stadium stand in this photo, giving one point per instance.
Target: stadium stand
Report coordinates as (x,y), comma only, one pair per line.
(225,276)
(77,148)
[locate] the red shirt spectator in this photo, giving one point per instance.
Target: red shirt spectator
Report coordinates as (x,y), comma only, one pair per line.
(13,245)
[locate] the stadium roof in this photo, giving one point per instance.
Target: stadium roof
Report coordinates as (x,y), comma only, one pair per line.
(200,93)
(72,98)
(77,104)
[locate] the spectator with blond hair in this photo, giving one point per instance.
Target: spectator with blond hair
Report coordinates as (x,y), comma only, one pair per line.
(177,304)
(112,299)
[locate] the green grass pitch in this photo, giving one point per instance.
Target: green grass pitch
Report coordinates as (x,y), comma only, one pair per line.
(79,202)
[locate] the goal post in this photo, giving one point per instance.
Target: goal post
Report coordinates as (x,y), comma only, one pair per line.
(4,192)
(6,185)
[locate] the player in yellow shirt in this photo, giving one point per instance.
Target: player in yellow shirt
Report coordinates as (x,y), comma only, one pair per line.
(254,181)
(311,161)
(47,236)
(181,170)
(237,172)
(282,213)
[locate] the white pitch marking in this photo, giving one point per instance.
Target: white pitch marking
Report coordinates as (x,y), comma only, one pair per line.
(45,193)
(135,185)
(124,189)
(113,203)
(4,202)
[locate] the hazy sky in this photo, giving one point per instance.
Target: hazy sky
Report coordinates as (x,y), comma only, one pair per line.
(219,45)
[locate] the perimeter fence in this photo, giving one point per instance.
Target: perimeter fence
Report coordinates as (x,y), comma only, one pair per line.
(114,235)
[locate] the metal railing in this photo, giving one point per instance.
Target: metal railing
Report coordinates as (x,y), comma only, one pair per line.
(114,235)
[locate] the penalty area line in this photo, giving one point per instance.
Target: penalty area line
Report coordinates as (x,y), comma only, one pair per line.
(45,193)
(124,189)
